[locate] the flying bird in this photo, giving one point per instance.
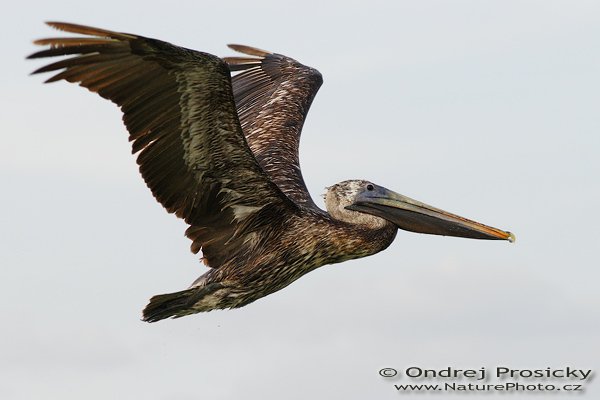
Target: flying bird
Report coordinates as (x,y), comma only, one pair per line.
(221,152)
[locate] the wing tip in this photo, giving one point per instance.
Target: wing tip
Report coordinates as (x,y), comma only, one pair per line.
(88,30)
(236,63)
(249,50)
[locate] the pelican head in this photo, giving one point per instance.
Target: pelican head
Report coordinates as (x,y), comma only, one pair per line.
(363,202)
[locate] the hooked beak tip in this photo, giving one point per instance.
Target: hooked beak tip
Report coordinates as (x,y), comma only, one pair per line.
(511,237)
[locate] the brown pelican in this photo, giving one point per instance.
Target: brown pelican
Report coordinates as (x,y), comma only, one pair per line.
(221,152)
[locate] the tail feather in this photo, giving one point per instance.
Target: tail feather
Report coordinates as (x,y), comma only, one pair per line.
(178,304)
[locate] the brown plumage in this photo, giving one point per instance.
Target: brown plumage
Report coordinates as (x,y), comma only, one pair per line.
(267,82)
(222,154)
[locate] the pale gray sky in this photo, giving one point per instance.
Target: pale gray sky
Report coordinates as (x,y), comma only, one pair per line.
(487,109)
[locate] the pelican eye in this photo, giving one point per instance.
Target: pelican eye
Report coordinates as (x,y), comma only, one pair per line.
(370,187)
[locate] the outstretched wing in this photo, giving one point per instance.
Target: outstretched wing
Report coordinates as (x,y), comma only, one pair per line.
(179,109)
(273,94)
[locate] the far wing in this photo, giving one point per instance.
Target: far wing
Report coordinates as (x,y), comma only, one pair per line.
(273,94)
(179,109)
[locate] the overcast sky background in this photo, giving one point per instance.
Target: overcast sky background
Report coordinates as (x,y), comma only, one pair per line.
(486,109)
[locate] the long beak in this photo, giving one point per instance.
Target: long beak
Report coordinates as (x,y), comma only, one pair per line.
(412,215)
